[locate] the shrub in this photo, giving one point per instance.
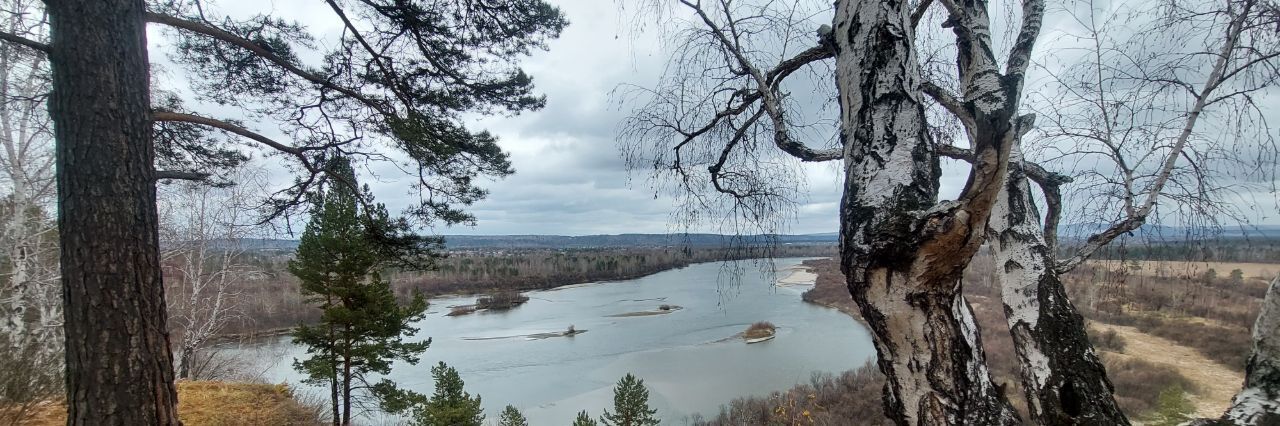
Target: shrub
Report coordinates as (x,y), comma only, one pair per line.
(501,300)
(1139,383)
(759,329)
(1107,340)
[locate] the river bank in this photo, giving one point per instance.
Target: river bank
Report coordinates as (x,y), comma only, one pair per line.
(680,354)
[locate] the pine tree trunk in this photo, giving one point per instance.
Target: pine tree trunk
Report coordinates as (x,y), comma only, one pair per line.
(346,389)
(1063,378)
(903,252)
(119,367)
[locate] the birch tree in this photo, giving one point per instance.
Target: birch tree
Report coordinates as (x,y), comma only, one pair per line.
(902,250)
(202,233)
(1159,122)
(30,301)
(26,173)
(392,89)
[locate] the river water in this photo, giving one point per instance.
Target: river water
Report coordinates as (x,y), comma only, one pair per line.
(687,358)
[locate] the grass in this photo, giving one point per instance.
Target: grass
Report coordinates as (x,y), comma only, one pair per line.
(224,404)
(759,329)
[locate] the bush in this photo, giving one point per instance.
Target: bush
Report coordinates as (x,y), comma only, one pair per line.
(1107,340)
(853,397)
(759,329)
(501,300)
(1139,383)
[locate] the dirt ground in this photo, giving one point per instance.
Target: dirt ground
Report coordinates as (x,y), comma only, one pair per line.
(1215,383)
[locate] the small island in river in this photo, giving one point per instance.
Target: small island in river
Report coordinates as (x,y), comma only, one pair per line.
(759,332)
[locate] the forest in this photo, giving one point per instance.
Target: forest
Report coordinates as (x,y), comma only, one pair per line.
(1024,205)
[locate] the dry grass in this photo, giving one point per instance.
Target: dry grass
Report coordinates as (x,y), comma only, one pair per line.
(223,404)
(1213,384)
(1183,269)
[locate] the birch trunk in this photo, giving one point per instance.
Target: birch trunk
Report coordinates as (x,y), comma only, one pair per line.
(1063,378)
(901,251)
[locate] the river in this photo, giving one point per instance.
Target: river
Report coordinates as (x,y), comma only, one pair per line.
(683,357)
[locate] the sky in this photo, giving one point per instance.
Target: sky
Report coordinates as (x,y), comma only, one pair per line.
(570,178)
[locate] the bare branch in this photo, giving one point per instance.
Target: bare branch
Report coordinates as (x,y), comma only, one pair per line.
(223,125)
(1020,54)
(12,38)
(919,12)
(768,92)
(181,175)
(948,101)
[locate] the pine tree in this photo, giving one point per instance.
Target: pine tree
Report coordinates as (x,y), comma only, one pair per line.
(511,416)
(450,404)
(1172,408)
(362,327)
(631,404)
(584,420)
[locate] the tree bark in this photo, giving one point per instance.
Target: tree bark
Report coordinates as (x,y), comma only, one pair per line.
(1064,381)
(119,367)
(901,251)
(346,388)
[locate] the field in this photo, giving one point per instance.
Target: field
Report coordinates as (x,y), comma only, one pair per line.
(1183,269)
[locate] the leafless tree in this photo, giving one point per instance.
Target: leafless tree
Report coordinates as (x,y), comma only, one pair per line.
(26,173)
(202,233)
(902,250)
(717,108)
(30,300)
(1139,118)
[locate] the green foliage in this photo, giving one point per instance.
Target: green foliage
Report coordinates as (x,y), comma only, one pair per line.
(1173,408)
(584,420)
(401,82)
(630,404)
(450,404)
(1237,276)
(512,417)
(362,326)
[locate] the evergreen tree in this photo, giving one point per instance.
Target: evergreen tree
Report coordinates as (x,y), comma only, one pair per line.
(450,405)
(362,327)
(1172,408)
(511,416)
(584,420)
(630,404)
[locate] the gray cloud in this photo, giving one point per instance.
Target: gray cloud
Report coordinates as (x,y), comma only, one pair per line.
(570,178)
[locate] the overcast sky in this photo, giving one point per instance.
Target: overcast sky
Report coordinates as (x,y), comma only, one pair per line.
(570,179)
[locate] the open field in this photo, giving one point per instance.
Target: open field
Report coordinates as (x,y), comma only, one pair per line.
(1184,269)
(1215,383)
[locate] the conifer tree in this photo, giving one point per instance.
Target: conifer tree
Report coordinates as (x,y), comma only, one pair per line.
(630,404)
(362,327)
(511,416)
(584,420)
(450,404)
(1172,408)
